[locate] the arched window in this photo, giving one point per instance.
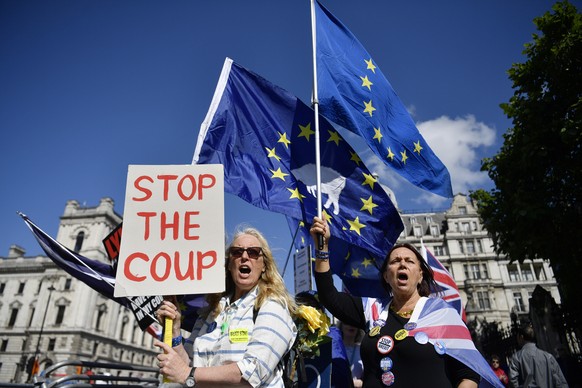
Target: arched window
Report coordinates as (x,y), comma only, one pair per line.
(79,242)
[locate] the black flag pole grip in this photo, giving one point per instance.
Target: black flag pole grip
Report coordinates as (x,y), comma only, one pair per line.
(320,242)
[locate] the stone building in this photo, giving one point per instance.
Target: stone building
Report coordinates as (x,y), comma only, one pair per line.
(45,311)
(491,287)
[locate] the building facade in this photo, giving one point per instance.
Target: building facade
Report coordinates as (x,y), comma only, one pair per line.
(492,287)
(46,311)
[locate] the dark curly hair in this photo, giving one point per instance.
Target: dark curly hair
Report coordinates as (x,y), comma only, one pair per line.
(426,286)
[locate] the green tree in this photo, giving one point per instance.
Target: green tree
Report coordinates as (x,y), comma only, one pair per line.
(535,210)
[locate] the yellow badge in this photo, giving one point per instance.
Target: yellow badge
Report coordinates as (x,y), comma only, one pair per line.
(237,336)
(374,331)
(401,334)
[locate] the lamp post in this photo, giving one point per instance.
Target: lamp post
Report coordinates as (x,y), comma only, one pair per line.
(36,363)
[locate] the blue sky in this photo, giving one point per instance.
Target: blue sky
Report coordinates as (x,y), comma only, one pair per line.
(89,87)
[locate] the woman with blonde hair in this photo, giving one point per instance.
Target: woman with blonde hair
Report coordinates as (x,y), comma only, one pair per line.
(244,332)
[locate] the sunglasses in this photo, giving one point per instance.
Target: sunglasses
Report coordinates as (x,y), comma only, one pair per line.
(252,252)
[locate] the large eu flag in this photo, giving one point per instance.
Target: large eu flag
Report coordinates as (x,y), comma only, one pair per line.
(264,137)
(353,93)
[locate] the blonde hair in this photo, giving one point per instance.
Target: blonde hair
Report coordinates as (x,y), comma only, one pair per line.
(271,284)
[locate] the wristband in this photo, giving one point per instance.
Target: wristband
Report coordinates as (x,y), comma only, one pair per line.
(322,255)
(177,341)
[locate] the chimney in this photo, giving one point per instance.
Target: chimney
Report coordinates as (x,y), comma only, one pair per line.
(16,251)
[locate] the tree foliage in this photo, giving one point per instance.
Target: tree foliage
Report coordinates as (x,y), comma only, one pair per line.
(535,210)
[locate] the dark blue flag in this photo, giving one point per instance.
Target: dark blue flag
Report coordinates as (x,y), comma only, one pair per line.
(101,278)
(355,94)
(264,137)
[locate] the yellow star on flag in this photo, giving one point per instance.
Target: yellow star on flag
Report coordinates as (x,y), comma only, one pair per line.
(369,108)
(366,262)
(355,158)
(366,83)
(404,157)
(369,205)
(283,139)
(306,131)
(370,65)
(278,174)
(369,180)
(390,154)
(334,136)
(356,273)
(377,134)
(356,225)
(296,194)
(272,154)
(417,147)
(326,215)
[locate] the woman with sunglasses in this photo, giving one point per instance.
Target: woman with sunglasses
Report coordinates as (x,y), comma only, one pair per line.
(391,356)
(240,338)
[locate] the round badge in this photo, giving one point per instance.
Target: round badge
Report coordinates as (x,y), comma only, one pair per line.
(386,364)
(385,344)
(388,378)
(379,322)
(401,334)
(410,325)
(440,347)
(374,331)
(421,337)
(211,327)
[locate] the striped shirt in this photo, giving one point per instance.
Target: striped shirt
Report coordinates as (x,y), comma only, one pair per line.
(256,345)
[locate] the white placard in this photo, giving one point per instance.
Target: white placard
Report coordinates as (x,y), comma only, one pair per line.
(302,270)
(173,231)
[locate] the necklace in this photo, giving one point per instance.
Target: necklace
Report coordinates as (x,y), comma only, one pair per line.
(403,314)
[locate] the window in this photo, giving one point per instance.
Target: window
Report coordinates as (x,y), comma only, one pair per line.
(518,301)
(32,310)
(51,345)
(68,284)
(470,247)
(79,241)
(2,285)
(60,314)
(461,247)
(100,315)
(513,273)
(417,231)
(13,315)
(428,219)
(527,274)
(3,345)
(413,220)
(439,250)
(479,246)
(476,271)
(483,300)
(466,227)
(21,287)
(462,209)
(434,230)
(475,226)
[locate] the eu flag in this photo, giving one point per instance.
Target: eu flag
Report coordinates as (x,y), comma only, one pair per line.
(355,94)
(264,137)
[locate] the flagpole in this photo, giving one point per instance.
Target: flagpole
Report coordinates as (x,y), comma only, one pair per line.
(315,103)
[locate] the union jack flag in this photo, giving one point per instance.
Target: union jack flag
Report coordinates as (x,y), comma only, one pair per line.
(448,288)
(446,330)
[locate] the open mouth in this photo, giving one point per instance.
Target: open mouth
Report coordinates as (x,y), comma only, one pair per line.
(244,269)
(403,276)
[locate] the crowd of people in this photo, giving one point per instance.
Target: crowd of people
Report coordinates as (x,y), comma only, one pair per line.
(243,334)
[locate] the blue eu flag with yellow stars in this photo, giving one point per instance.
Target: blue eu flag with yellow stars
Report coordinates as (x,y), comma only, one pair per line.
(264,138)
(355,94)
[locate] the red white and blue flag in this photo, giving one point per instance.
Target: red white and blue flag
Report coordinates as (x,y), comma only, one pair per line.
(448,291)
(445,329)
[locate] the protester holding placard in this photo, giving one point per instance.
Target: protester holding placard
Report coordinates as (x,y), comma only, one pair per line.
(243,333)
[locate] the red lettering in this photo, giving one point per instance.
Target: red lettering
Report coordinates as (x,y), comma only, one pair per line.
(168,263)
(189,272)
(200,262)
(126,270)
(147,216)
(202,185)
(173,226)
(192,187)
(189,225)
(147,192)
(113,243)
(167,179)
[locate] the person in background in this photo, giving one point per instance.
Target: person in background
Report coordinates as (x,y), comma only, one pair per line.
(499,372)
(240,338)
(352,337)
(533,367)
